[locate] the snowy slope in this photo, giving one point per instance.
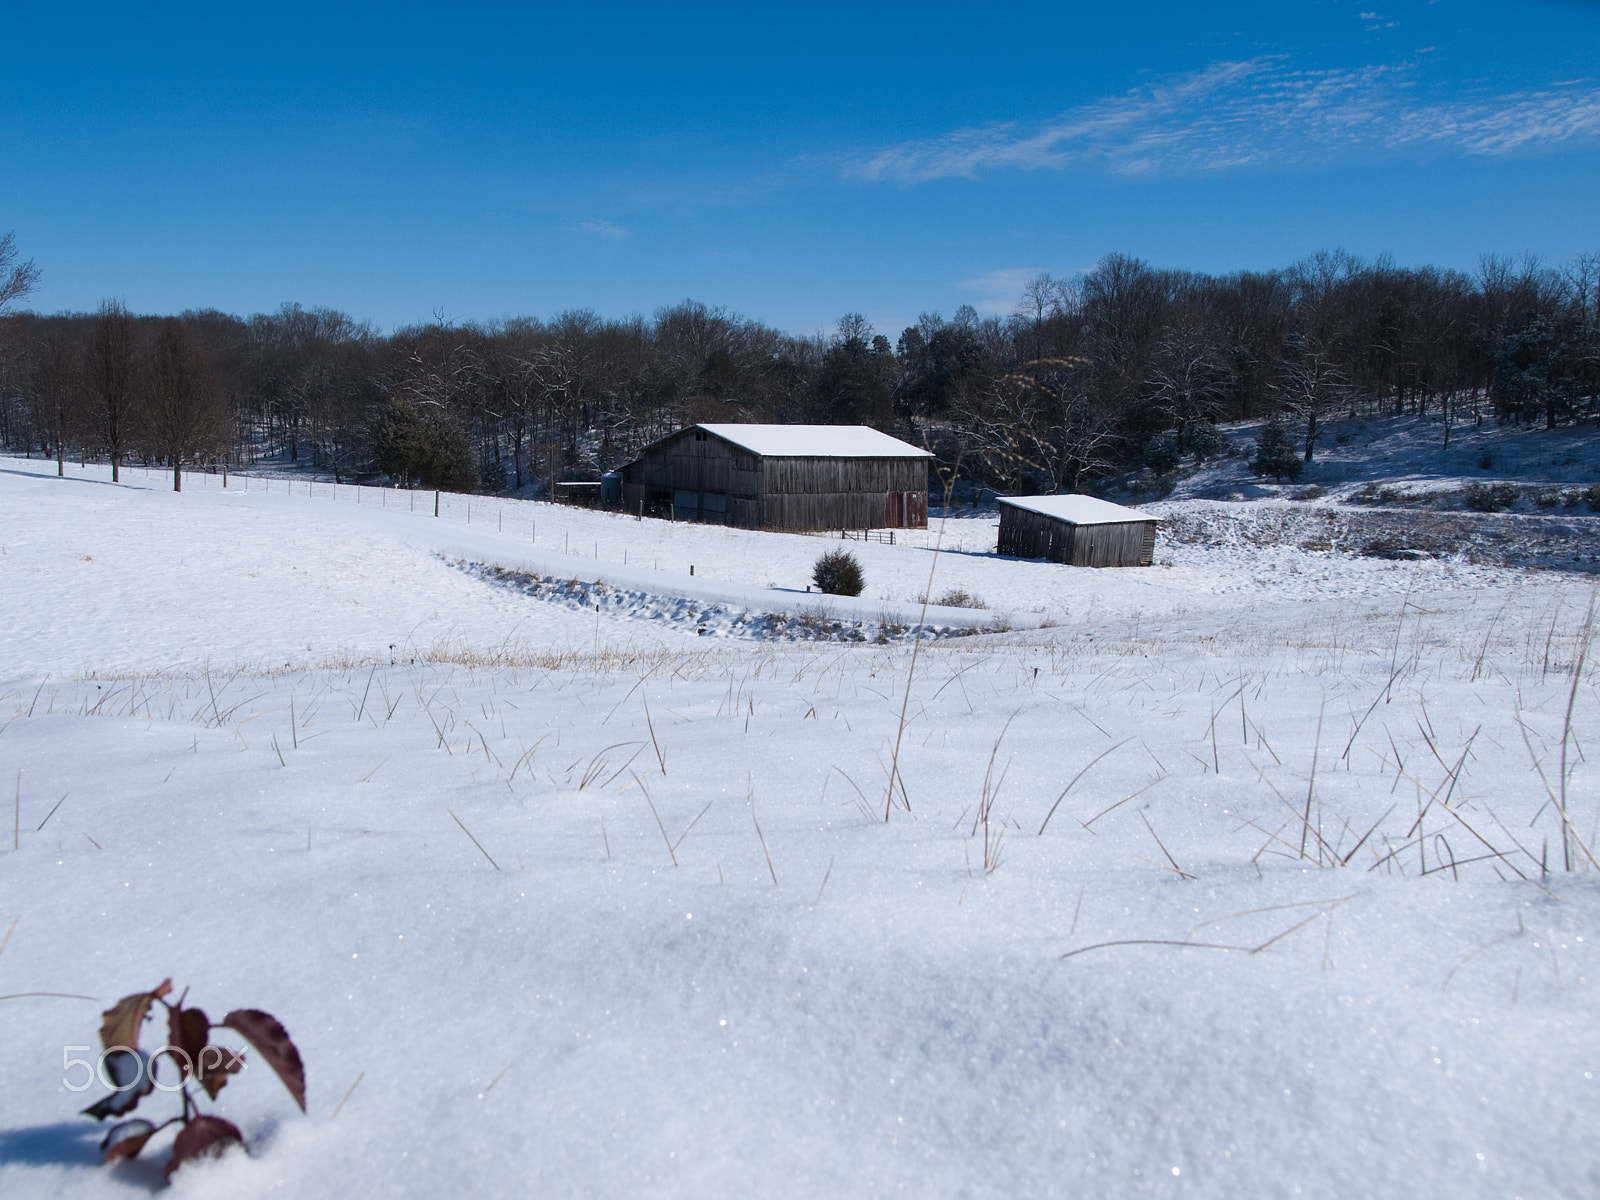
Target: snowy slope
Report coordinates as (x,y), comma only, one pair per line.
(700,962)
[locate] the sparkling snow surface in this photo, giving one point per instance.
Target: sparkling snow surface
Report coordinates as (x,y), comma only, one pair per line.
(240,729)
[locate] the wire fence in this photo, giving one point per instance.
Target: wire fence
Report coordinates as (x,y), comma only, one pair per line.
(517,518)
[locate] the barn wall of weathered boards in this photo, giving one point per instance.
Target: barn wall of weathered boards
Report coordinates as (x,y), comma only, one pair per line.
(1027,533)
(705,474)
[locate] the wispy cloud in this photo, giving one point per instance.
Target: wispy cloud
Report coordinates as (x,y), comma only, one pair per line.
(997,291)
(604,229)
(1258,112)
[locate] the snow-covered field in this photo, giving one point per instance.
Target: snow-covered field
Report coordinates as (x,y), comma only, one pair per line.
(1243,875)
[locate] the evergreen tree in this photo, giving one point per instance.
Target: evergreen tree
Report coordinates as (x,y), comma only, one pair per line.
(1275,453)
(429,448)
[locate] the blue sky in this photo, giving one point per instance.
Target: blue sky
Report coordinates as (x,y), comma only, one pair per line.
(791,165)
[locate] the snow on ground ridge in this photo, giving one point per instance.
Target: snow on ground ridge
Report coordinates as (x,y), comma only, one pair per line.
(624,914)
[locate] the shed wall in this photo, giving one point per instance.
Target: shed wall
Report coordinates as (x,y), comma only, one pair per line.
(1025,534)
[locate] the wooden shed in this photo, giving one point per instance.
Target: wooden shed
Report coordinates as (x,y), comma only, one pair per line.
(1081,531)
(786,477)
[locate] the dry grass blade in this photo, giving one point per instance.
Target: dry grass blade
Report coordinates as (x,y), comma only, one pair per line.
(916,650)
(1074,781)
(1327,906)
(599,763)
(361,712)
(1156,942)
(651,726)
(1444,803)
(1322,906)
(1566,734)
(1487,946)
(1345,861)
(475,841)
(762,839)
(339,1108)
(692,823)
(1113,808)
(671,852)
(51,813)
(1287,803)
(862,803)
(1311,787)
(1356,732)
(1172,861)
(826,875)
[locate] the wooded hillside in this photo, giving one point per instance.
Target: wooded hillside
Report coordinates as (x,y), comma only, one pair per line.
(1126,366)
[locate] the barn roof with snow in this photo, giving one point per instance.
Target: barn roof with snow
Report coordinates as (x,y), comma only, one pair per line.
(815,441)
(791,477)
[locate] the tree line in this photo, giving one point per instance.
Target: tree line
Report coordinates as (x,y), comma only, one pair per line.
(1126,367)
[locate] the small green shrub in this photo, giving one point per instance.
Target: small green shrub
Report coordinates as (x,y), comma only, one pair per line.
(838,573)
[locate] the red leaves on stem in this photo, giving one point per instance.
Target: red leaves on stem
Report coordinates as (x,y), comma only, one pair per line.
(120,1023)
(125,1139)
(202,1137)
(132,1071)
(271,1040)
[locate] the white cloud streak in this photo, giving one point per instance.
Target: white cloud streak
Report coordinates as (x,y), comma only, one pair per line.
(604,229)
(1255,113)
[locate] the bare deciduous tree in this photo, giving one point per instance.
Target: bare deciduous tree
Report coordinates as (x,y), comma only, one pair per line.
(186,415)
(1187,381)
(17,279)
(111,380)
(1310,385)
(57,388)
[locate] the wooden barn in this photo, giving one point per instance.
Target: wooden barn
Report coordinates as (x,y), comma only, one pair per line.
(785,477)
(1081,531)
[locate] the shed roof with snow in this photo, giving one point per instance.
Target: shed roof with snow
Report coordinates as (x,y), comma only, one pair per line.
(1078,510)
(1082,531)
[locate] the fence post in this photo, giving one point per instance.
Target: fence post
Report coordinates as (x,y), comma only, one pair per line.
(436,504)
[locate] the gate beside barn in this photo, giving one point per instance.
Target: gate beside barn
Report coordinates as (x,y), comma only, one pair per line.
(1081,531)
(781,477)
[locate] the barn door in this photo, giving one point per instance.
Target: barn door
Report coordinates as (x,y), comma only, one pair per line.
(895,511)
(916,510)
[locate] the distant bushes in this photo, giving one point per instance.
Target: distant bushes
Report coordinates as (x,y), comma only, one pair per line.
(1491,497)
(958,597)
